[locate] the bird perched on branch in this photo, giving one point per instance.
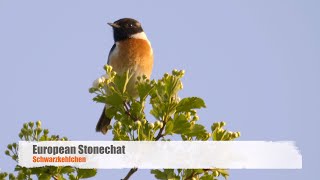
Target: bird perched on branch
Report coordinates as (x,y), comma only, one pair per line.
(131,51)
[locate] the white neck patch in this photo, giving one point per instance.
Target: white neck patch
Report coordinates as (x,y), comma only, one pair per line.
(140,35)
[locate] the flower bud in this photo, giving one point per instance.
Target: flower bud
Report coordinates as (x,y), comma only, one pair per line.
(161,124)
(24,131)
(92,89)
(182,72)
(215,173)
(234,135)
(175,72)
(238,134)
(165,75)
(9,146)
(38,123)
(25,125)
(117,124)
(45,132)
(107,68)
(137,123)
(31,124)
(151,125)
(215,126)
(20,135)
(196,118)
(143,121)
(157,123)
(14,145)
(222,124)
(7,152)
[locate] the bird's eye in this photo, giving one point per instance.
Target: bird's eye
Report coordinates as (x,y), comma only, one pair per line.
(130,25)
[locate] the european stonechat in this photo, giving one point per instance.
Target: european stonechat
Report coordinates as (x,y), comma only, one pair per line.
(131,51)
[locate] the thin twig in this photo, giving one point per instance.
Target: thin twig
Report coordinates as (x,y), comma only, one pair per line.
(132,171)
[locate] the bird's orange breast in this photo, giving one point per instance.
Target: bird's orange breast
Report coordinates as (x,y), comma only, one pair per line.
(135,54)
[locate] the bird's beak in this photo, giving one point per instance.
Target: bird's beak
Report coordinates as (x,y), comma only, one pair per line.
(114,25)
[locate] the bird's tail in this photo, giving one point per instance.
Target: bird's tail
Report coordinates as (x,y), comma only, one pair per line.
(103,123)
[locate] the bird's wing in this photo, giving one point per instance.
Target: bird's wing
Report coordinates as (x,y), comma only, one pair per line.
(114,46)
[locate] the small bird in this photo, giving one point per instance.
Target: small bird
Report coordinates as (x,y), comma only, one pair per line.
(131,51)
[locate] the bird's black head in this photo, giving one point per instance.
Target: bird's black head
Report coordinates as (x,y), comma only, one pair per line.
(125,28)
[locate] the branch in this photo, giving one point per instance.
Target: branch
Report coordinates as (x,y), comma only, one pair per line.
(127,111)
(132,171)
(160,135)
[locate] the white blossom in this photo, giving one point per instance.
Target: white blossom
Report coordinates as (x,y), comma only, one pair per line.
(99,81)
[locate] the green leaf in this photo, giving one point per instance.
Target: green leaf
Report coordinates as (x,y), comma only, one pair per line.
(170,174)
(72,177)
(136,109)
(224,173)
(38,170)
(44,177)
(197,130)
(144,89)
(169,127)
(18,168)
(158,174)
(67,169)
(111,112)
(86,173)
(186,104)
(181,125)
(100,99)
(114,100)
(167,174)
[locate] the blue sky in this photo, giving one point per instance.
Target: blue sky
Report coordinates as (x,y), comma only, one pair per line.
(255,63)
